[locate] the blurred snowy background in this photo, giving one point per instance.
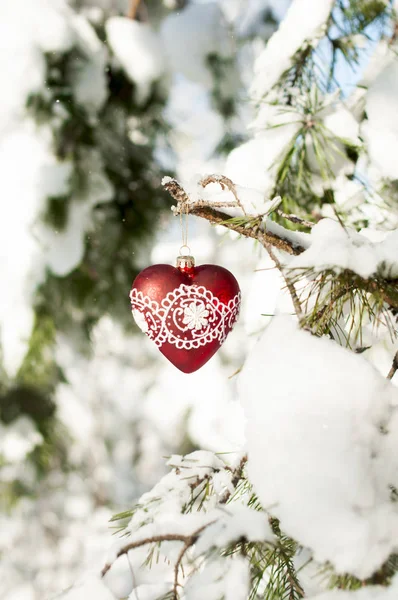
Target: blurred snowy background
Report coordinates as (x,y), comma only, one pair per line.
(97,108)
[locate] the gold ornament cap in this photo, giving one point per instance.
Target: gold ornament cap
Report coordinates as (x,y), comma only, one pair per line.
(185,262)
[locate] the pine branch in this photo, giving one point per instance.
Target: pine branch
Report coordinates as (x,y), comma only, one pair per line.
(236,478)
(327,296)
(296,591)
(202,209)
(188,540)
(264,237)
(251,226)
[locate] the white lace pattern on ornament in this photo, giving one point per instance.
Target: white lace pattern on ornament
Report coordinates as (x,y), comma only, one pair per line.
(188,317)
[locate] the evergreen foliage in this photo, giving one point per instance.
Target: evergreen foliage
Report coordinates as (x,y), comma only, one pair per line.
(204,521)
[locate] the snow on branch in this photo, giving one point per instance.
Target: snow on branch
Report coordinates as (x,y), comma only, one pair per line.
(203,522)
(303,26)
(247,225)
(328,432)
(359,263)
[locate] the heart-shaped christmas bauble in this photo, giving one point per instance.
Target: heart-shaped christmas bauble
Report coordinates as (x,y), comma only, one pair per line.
(187,311)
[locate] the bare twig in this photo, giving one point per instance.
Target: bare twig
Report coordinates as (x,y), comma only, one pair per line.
(394,367)
(184,549)
(183,201)
(224,182)
(190,542)
(295,219)
(132,9)
(289,284)
(175,190)
(201,208)
(187,540)
(169,537)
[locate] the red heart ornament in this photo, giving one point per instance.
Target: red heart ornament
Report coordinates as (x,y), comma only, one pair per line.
(187,311)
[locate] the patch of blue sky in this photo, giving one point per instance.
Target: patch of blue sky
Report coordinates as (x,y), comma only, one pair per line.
(347,74)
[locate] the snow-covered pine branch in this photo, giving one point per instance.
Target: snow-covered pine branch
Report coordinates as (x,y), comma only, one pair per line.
(203,522)
(333,264)
(95,108)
